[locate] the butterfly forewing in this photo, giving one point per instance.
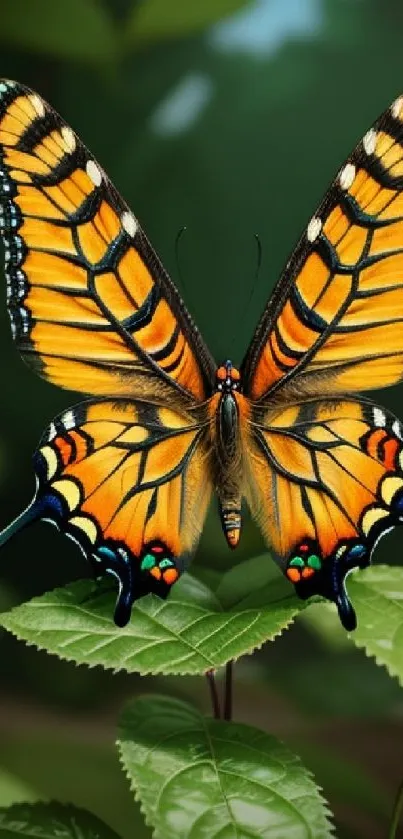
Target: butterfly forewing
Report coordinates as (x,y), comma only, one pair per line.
(91,307)
(334,322)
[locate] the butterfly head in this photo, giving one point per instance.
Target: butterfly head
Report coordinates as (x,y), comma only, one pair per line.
(228,378)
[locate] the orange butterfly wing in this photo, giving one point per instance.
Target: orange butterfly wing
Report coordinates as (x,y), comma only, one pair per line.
(325,483)
(334,322)
(91,306)
(325,477)
(130,483)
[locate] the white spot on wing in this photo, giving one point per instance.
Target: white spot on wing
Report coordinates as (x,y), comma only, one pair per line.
(369,141)
(397,429)
(68,420)
(313,229)
(52,431)
(5,85)
(94,172)
(69,138)
(396,107)
(347,176)
(379,417)
(38,104)
(129,223)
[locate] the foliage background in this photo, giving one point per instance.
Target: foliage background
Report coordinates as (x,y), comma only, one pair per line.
(231,123)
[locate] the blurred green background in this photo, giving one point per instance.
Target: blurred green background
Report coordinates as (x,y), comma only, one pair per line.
(231,118)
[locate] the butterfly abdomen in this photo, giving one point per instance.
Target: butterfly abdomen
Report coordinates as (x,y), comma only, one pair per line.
(227,419)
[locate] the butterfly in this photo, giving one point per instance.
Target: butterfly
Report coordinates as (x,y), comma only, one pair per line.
(129,473)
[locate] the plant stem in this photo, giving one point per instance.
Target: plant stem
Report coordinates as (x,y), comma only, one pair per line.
(396,812)
(210,676)
(228,690)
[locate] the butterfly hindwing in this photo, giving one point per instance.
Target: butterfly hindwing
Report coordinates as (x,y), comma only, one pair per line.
(334,322)
(130,483)
(325,483)
(91,307)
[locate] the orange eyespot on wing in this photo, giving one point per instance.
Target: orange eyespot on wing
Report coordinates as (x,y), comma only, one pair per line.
(130,483)
(325,482)
(91,306)
(334,322)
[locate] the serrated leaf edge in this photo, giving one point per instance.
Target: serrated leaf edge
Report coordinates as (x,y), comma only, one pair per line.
(156,835)
(361,645)
(136,793)
(123,669)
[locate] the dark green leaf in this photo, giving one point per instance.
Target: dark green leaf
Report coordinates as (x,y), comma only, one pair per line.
(51,821)
(66,759)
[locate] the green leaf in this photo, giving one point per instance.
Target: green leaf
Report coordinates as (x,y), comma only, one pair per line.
(13,789)
(77,29)
(248,579)
(155,20)
(377,595)
(74,762)
(188,633)
(203,778)
(51,821)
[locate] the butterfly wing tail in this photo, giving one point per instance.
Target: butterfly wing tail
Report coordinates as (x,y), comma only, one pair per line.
(326,483)
(28,516)
(330,583)
(129,483)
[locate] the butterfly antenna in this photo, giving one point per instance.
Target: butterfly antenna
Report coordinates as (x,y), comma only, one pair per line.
(245,310)
(184,289)
(178,265)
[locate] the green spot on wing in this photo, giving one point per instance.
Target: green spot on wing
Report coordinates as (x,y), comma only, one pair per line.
(148,562)
(314,562)
(297,561)
(166,563)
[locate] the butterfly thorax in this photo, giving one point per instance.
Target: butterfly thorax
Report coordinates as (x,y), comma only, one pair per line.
(227,419)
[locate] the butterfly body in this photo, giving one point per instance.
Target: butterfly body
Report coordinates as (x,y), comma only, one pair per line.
(229,410)
(128,474)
